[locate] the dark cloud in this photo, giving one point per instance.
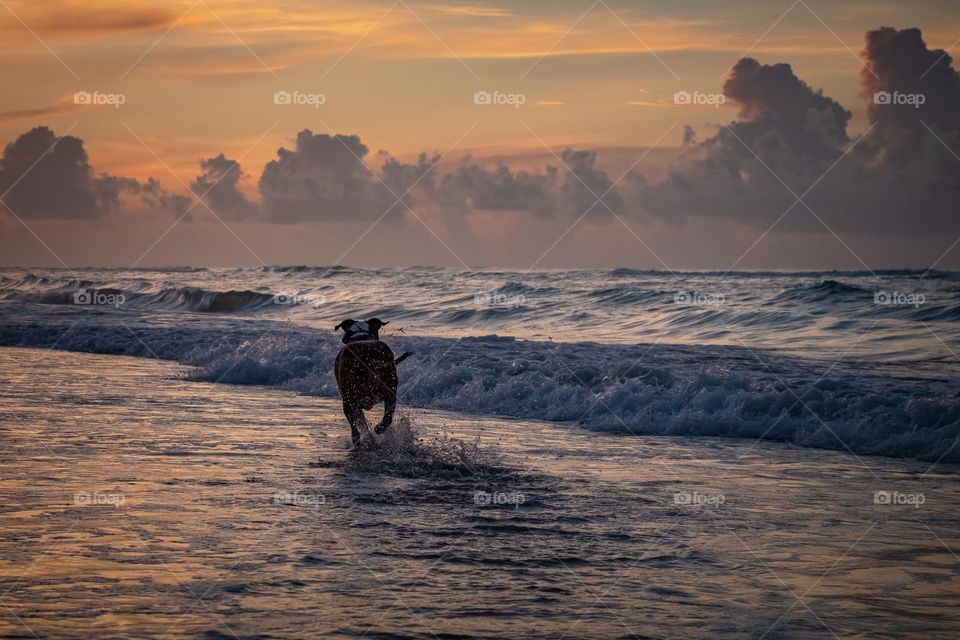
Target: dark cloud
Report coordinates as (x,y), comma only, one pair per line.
(902,178)
(898,179)
(218,187)
(898,62)
(156,198)
(47,177)
(404,178)
(787,131)
(781,113)
(586,188)
(323,178)
(472,187)
(574,188)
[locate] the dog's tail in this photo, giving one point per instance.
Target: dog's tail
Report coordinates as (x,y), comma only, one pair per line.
(405,355)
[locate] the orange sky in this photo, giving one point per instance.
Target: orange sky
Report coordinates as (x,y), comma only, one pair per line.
(198,77)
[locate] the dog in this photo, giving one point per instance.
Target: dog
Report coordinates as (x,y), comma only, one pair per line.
(366,373)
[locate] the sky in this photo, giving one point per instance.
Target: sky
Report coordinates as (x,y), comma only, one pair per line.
(525,134)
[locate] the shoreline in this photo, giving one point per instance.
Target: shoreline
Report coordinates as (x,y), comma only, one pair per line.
(188,373)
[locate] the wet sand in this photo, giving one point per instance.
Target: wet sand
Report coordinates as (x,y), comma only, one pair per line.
(139,504)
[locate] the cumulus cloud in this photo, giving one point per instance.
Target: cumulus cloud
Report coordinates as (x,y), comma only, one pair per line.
(587,188)
(218,186)
(899,63)
(323,178)
(575,187)
(774,103)
(402,178)
(902,178)
(786,131)
(156,198)
(473,187)
(47,177)
(898,179)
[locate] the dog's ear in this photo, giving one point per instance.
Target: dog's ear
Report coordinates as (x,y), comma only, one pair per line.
(344,325)
(378,322)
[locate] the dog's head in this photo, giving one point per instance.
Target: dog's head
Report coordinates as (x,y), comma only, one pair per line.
(356,330)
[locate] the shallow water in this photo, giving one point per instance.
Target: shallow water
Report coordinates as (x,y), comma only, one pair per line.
(135,503)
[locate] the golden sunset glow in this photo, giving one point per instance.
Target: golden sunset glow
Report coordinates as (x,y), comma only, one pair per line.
(487,319)
(198,78)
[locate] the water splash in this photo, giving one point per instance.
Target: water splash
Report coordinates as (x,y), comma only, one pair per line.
(403,451)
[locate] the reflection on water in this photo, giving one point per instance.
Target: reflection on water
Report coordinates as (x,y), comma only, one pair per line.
(135,504)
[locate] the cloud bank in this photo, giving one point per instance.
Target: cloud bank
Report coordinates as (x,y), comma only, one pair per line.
(788,140)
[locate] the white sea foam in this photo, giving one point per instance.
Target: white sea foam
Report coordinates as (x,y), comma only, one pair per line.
(630,389)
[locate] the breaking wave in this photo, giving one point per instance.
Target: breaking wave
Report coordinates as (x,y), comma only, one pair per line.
(727,391)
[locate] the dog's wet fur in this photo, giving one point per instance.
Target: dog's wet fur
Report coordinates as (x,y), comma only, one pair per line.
(366,374)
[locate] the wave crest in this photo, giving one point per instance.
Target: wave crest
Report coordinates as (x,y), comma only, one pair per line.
(629,389)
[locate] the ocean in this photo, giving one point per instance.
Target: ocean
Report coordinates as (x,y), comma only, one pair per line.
(860,362)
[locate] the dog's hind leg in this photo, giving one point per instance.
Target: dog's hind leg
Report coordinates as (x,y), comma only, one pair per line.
(359,431)
(389,406)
